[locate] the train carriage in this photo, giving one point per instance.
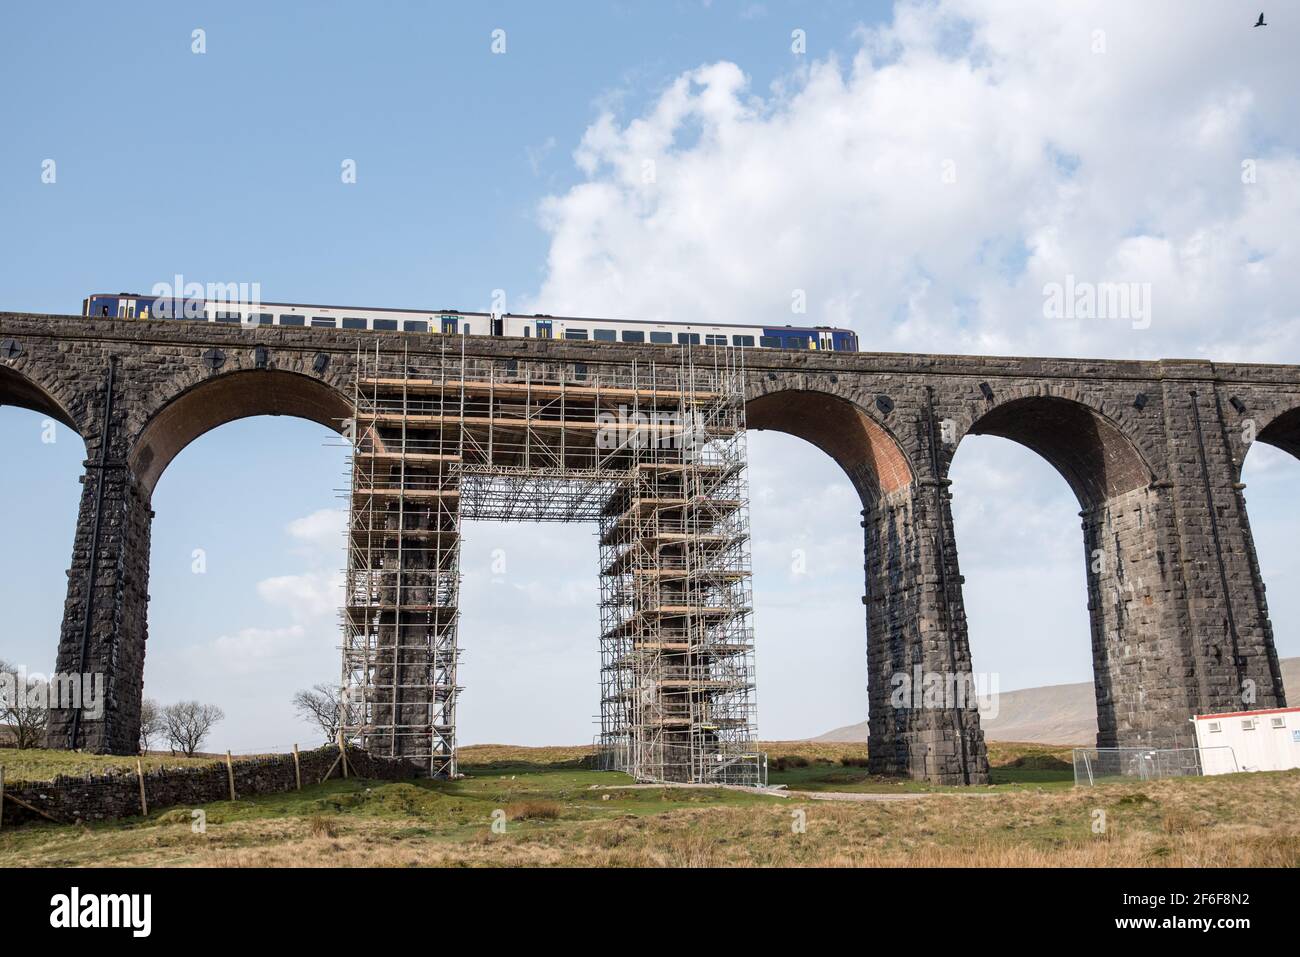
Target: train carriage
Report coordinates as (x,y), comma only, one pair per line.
(457,322)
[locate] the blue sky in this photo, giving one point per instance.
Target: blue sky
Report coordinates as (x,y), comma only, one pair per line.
(228,163)
(521,171)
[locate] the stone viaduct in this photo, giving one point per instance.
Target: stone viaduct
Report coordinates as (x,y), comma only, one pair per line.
(1153,451)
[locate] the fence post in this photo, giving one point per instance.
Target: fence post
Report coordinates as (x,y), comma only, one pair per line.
(230,773)
(144,802)
(297,768)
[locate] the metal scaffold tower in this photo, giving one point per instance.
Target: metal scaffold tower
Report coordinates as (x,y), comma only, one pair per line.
(653,453)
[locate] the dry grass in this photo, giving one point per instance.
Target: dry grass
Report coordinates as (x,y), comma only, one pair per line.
(478,754)
(560,814)
(533,811)
(939,832)
(1243,820)
(318,825)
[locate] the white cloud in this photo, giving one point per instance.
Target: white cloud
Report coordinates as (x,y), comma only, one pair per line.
(250,650)
(718,200)
(537,154)
(1123,165)
(321,532)
(307,597)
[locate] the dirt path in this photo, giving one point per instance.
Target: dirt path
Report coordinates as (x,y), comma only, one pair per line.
(802,795)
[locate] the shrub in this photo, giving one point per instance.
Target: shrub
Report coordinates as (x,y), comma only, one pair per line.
(533,810)
(321,826)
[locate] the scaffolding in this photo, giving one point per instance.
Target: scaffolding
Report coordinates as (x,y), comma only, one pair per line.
(653,453)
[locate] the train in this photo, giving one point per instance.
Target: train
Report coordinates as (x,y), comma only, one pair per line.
(125,305)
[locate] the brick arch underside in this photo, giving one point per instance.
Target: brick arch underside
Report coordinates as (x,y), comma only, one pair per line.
(1284,432)
(226,398)
(1091,453)
(869,455)
(18,390)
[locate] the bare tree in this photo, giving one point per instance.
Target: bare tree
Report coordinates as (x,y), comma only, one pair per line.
(151,723)
(319,706)
(188,723)
(24,706)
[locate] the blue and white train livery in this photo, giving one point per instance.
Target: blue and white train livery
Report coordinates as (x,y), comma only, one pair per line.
(456,322)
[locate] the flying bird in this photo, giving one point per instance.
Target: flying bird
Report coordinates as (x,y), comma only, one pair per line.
(1260,22)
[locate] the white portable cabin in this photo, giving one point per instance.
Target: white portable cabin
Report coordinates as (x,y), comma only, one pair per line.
(1267,740)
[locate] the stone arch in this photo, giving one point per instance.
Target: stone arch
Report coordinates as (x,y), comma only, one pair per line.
(1279,427)
(216,400)
(1282,430)
(869,454)
(1128,578)
(912,599)
(20,390)
(1091,450)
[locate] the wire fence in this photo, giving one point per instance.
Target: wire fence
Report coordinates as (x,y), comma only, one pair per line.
(1094,766)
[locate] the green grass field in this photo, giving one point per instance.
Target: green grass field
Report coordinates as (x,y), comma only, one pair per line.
(556,811)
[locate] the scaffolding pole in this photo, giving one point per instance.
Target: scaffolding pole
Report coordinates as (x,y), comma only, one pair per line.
(653,454)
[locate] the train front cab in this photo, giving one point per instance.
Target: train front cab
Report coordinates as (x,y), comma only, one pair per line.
(104,306)
(141,307)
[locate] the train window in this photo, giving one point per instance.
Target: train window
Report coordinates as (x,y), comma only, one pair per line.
(575,333)
(292,320)
(528,332)
(688,338)
(227,317)
(323,322)
(416,325)
(744,341)
(385,325)
(769,342)
(262,319)
(633,335)
(662,338)
(352,323)
(715,340)
(605,335)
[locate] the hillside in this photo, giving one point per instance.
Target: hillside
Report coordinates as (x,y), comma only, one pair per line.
(1054,714)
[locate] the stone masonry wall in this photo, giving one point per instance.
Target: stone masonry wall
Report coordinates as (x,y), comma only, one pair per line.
(1154,450)
(105,797)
